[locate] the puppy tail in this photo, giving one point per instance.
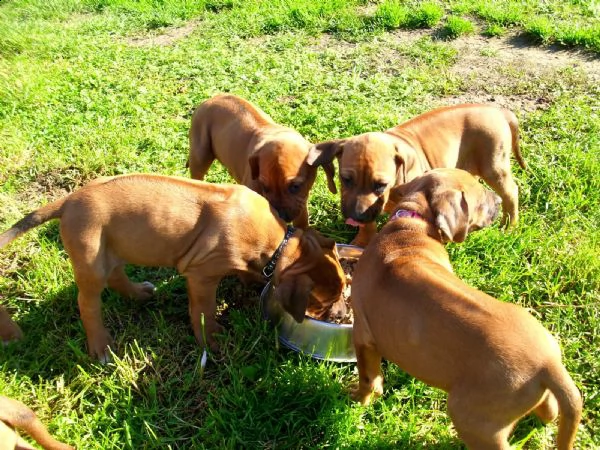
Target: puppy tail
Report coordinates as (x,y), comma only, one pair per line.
(33,219)
(513,123)
(18,415)
(570,404)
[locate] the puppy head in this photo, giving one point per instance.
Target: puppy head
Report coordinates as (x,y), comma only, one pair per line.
(309,279)
(279,166)
(452,200)
(370,164)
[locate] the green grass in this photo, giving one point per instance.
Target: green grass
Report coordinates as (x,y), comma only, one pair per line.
(86,91)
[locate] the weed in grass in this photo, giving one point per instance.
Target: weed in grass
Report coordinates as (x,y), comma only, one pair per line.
(426,15)
(391,15)
(540,29)
(457,26)
(494,29)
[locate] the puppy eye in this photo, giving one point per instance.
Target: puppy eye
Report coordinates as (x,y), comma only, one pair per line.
(379,188)
(265,189)
(294,188)
(346,181)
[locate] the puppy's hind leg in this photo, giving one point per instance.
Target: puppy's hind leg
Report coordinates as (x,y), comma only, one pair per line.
(201,153)
(368,361)
(476,429)
(202,297)
(85,249)
(119,281)
(502,182)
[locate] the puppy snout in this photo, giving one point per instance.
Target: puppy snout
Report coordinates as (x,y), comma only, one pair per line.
(284,214)
(338,310)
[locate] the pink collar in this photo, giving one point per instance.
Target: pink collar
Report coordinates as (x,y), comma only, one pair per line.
(406,213)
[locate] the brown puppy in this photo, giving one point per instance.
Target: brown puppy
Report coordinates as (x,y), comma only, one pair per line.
(495,361)
(259,153)
(476,138)
(206,231)
(14,414)
(9,330)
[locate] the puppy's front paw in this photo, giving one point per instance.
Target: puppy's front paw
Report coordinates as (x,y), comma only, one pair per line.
(144,291)
(99,347)
(360,395)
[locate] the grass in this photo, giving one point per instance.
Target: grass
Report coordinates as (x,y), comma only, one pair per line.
(88,88)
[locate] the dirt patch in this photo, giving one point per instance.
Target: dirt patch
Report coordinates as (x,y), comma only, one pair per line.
(508,71)
(168,36)
(512,73)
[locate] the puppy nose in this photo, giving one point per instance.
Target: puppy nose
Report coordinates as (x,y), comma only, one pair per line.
(284,215)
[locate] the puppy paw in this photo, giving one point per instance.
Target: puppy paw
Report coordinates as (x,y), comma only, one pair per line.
(100,347)
(359,395)
(144,291)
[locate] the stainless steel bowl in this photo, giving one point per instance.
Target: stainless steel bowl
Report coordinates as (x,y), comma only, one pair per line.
(321,340)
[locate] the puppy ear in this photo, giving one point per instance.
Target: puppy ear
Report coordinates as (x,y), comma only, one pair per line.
(254,165)
(400,168)
(330,174)
(293,293)
(324,152)
(451,212)
(323,241)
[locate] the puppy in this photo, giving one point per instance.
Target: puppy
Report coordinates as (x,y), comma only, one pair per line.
(496,362)
(206,231)
(268,158)
(9,330)
(476,138)
(14,414)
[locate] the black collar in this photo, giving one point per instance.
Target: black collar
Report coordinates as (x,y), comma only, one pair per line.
(269,269)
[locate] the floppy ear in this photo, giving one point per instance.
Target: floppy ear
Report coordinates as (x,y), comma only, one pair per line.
(330,174)
(324,152)
(400,168)
(323,241)
(293,294)
(254,165)
(451,213)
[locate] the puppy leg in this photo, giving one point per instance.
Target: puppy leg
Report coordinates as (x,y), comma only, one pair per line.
(202,297)
(474,425)
(18,415)
(201,154)
(365,234)
(547,410)
(119,281)
(501,181)
(370,380)
(90,309)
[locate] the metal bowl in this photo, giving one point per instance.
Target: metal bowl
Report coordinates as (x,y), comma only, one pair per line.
(319,339)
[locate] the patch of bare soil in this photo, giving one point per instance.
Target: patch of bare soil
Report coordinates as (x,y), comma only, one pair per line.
(512,73)
(509,71)
(168,36)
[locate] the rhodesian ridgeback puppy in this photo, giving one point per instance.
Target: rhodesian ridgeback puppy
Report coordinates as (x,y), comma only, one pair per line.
(206,231)
(495,360)
(476,138)
(9,330)
(259,153)
(14,414)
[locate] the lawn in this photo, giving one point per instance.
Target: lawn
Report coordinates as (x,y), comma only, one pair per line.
(102,87)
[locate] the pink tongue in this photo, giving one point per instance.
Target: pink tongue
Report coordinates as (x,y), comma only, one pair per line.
(354,223)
